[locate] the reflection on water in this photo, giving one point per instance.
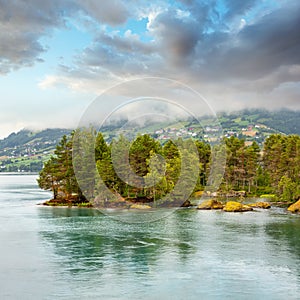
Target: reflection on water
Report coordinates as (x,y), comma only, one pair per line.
(87,240)
(285,238)
(254,255)
(70,253)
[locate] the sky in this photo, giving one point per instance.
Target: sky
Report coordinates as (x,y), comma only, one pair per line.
(57,56)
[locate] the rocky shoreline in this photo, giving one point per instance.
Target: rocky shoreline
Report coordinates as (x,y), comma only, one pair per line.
(209,204)
(232,206)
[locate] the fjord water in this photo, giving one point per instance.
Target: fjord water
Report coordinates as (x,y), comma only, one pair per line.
(64,253)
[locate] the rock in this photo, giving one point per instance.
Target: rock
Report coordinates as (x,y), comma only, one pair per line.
(294,207)
(198,194)
(140,206)
(231,194)
(261,204)
(241,193)
(186,203)
(210,204)
(233,206)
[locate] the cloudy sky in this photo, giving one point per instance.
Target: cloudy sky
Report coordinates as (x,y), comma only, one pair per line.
(56,56)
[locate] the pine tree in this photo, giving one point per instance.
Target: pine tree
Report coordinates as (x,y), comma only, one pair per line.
(48,179)
(84,165)
(251,164)
(58,173)
(155,179)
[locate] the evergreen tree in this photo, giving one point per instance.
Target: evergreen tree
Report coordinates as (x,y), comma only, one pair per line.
(251,164)
(124,175)
(173,164)
(140,153)
(84,163)
(204,151)
(155,179)
(48,177)
(58,173)
(145,170)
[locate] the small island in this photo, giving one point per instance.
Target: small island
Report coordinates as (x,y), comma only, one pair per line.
(270,173)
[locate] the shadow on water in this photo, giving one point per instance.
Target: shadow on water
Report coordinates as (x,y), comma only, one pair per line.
(285,238)
(288,232)
(85,240)
(184,233)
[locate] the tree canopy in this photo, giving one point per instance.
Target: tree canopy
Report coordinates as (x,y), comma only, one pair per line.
(144,170)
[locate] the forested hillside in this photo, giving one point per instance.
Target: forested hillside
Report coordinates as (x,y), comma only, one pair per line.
(285,121)
(27,150)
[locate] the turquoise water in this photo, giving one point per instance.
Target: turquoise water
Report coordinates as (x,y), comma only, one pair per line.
(61,253)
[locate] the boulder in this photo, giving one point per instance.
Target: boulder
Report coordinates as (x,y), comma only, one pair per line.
(186,203)
(198,194)
(260,204)
(210,204)
(294,208)
(140,206)
(233,206)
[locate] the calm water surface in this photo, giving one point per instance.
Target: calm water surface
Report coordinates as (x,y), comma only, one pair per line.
(61,253)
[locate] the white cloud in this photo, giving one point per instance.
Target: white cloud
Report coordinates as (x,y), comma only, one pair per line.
(48,81)
(242,24)
(239,57)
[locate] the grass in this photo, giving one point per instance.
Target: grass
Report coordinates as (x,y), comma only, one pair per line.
(269,196)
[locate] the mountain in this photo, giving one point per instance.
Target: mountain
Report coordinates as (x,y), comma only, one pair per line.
(27,150)
(284,121)
(26,136)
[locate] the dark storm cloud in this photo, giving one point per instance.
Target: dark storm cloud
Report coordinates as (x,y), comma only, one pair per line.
(24,23)
(217,51)
(177,36)
(100,57)
(200,44)
(19,50)
(245,45)
(258,49)
(274,41)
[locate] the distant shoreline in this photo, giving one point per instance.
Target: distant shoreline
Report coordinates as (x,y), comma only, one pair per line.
(19,173)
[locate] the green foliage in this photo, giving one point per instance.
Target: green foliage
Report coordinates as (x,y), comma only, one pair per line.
(140,152)
(48,177)
(146,171)
(281,161)
(83,159)
(286,121)
(58,173)
(242,165)
(289,191)
(268,196)
(26,151)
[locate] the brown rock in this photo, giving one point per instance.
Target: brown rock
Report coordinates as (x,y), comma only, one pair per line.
(210,204)
(140,206)
(294,208)
(233,206)
(260,204)
(186,203)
